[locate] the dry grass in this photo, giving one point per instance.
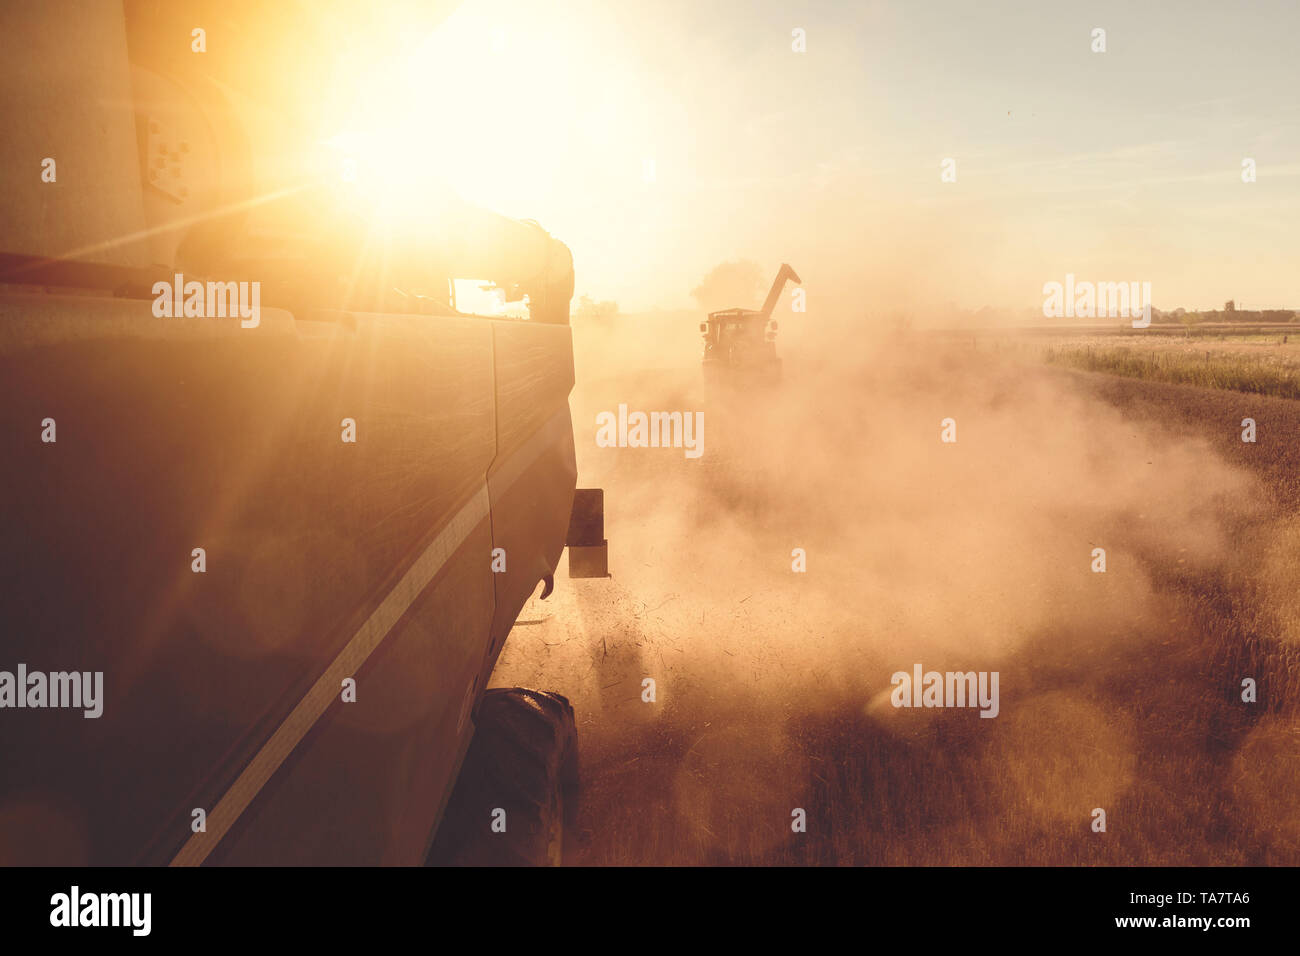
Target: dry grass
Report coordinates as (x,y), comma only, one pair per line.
(1265,367)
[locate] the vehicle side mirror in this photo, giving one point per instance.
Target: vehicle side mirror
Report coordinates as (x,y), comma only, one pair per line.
(704,326)
(774,325)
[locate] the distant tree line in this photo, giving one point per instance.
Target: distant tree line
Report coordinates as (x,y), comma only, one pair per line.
(1229,313)
(589,308)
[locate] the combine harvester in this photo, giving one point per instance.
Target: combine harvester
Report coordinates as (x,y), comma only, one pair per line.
(740,344)
(271,503)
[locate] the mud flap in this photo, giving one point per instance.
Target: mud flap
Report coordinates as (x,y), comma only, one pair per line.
(588,549)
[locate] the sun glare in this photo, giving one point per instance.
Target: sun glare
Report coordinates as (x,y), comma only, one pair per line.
(480,109)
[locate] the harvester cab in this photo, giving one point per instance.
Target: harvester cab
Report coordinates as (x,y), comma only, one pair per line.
(742,342)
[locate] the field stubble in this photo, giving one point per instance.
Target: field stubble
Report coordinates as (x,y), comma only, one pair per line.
(1119,690)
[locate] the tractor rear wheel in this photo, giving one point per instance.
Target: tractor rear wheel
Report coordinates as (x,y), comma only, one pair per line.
(515,802)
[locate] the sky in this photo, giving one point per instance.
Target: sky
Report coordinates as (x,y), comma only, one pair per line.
(659,139)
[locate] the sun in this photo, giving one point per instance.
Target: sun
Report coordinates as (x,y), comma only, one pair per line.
(482,108)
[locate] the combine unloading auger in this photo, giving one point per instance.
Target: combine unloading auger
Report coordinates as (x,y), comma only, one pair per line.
(784,275)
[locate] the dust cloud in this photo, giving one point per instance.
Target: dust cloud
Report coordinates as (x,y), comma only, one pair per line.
(771,686)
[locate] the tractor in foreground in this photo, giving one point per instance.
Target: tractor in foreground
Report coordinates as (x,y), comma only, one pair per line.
(265,484)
